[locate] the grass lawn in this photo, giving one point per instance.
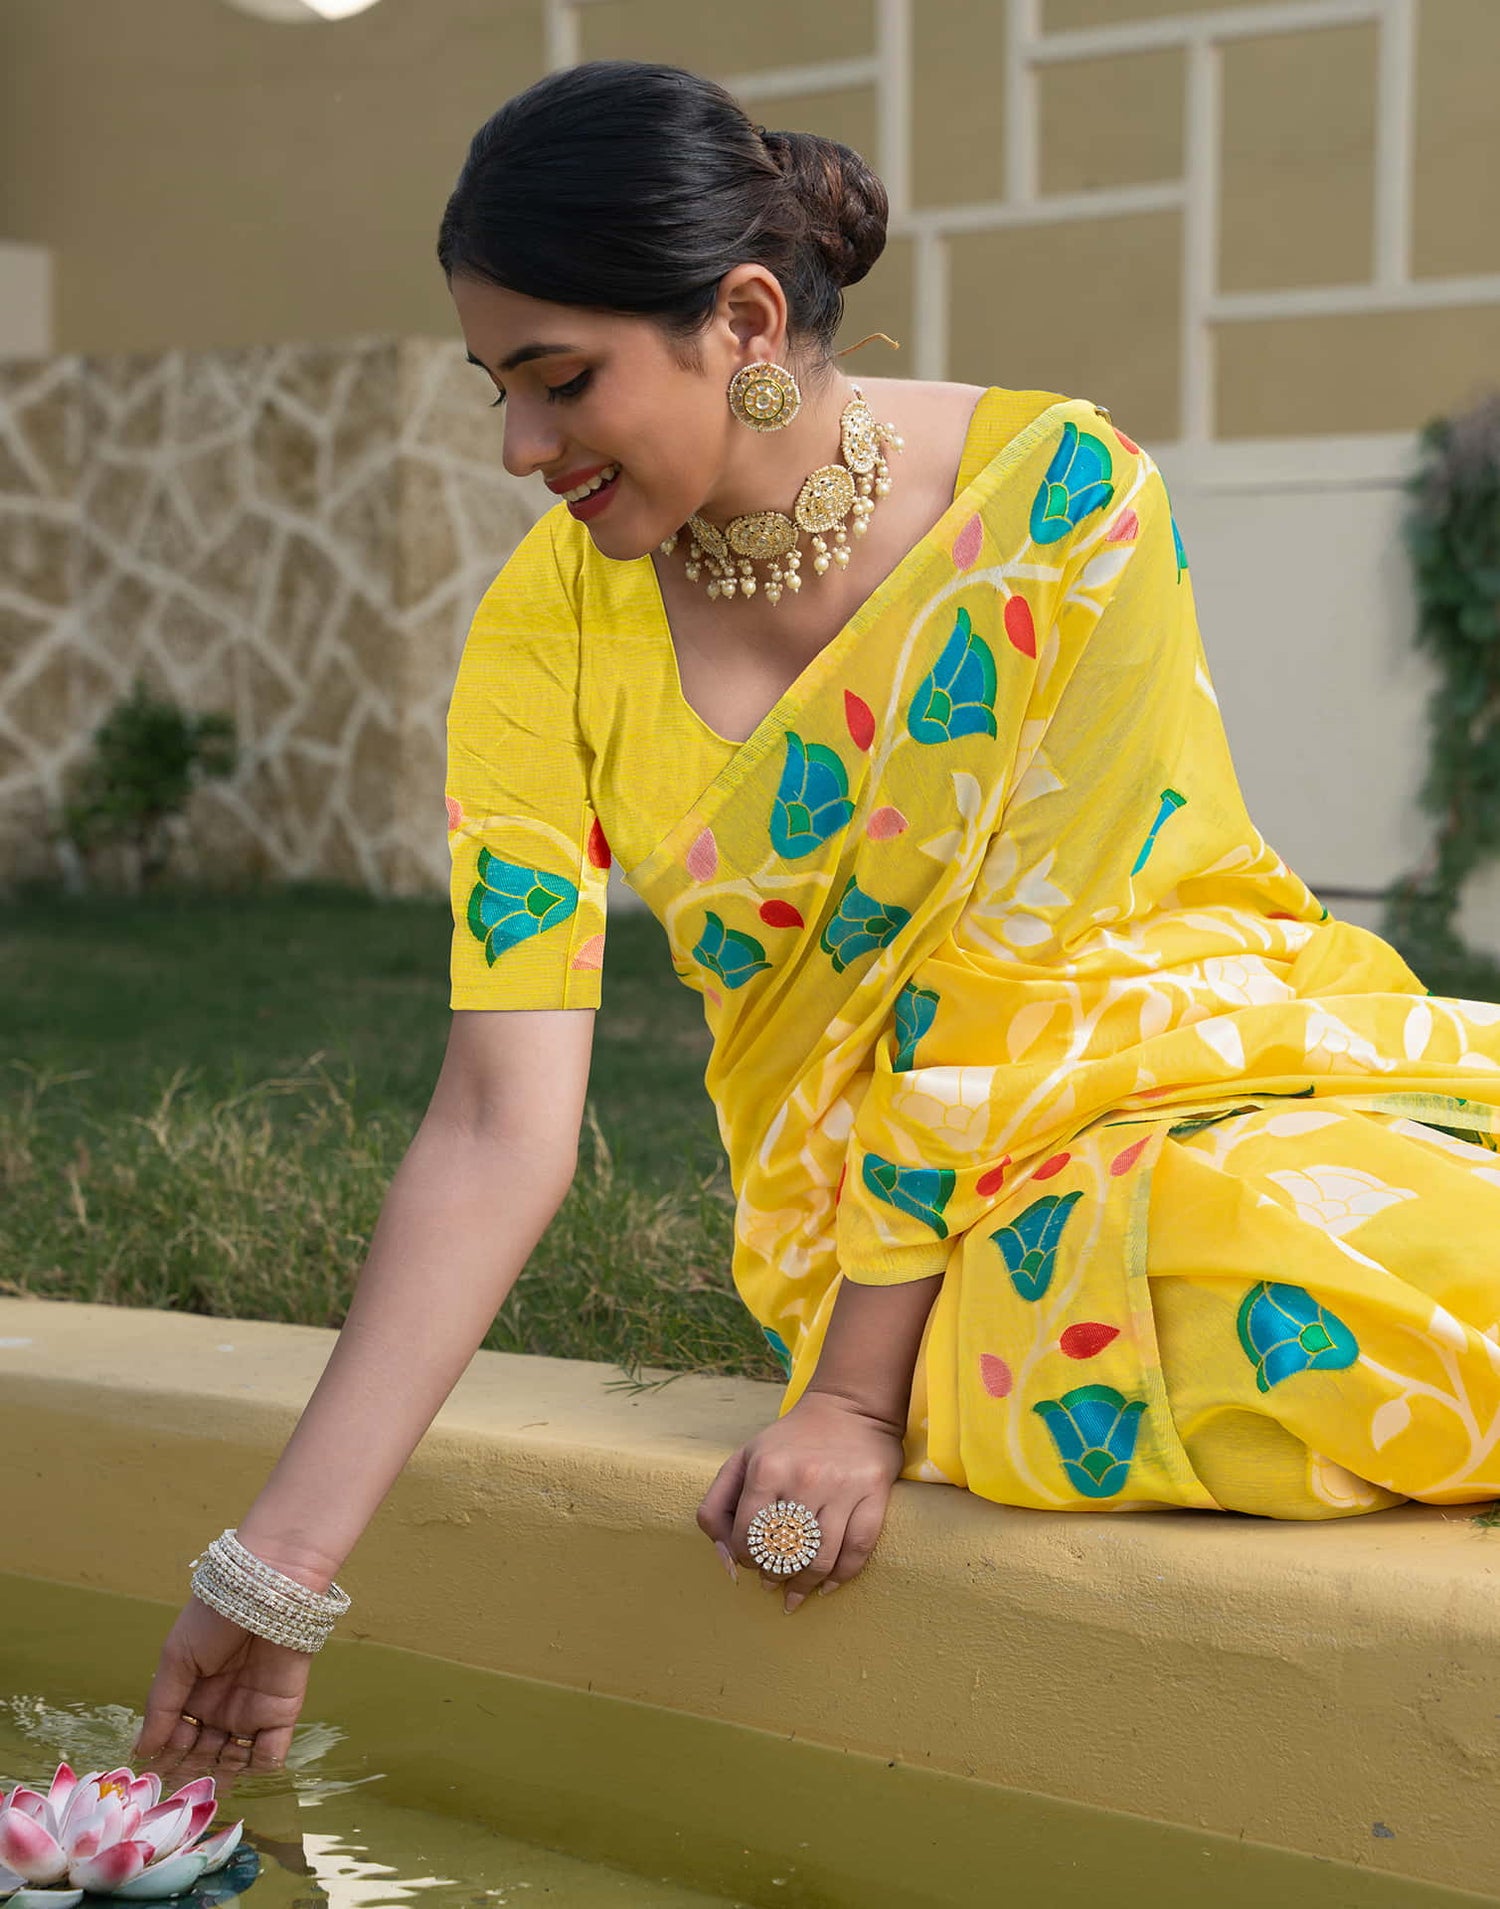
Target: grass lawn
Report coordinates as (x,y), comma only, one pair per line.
(203,1098)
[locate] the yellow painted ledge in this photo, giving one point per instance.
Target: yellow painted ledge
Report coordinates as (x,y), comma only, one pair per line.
(1294,1685)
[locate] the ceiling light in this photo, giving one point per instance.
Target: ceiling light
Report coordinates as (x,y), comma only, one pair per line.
(302,11)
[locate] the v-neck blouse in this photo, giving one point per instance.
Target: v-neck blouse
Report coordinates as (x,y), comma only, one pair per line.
(571,744)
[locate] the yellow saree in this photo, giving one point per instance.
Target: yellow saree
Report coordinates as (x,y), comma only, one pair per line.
(1004,985)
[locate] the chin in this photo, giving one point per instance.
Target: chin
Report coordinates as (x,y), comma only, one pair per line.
(624,542)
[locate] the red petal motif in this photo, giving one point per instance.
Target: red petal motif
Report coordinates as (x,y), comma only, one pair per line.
(599,853)
(702,859)
(1134,449)
(1020,626)
(780,914)
(885,823)
(991,1182)
(455,821)
(1123,1162)
(969,542)
(590,955)
(1124,529)
(1055,1165)
(995,1375)
(838,1192)
(1086,1341)
(860,718)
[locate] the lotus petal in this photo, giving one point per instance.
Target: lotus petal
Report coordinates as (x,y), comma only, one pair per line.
(63,1784)
(200,1790)
(217,1849)
(45,1899)
(104,1873)
(167,1822)
(30,1848)
(171,1878)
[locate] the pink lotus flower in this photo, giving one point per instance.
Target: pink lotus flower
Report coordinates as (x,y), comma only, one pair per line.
(109,1834)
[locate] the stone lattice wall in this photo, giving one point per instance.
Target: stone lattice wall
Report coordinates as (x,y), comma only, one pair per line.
(295,534)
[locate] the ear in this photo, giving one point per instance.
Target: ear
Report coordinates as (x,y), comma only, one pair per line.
(752,309)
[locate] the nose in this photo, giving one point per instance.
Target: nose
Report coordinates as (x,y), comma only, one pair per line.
(533,442)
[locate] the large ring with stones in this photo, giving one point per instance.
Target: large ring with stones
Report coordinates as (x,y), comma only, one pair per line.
(783,1537)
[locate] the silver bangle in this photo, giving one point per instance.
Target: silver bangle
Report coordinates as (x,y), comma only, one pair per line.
(232,1580)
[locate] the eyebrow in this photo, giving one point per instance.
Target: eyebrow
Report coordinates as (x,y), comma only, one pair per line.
(524,356)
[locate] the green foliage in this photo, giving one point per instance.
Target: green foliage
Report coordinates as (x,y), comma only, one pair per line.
(148,756)
(1453,536)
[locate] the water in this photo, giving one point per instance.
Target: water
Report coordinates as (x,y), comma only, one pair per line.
(413,1781)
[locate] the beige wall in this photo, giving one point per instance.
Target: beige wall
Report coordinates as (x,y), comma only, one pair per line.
(207,179)
(228,199)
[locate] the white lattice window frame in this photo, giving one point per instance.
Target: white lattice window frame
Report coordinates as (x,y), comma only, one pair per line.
(1202,37)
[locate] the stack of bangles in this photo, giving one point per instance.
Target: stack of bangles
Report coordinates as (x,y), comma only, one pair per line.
(242,1587)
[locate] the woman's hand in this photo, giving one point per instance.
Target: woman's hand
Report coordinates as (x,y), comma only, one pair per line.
(238,1683)
(825,1453)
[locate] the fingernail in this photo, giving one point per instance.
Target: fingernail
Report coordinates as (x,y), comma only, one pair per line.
(728,1557)
(793,1599)
(828,1584)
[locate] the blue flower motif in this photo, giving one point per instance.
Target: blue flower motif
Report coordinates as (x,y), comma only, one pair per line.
(812,802)
(511,903)
(728,953)
(859,925)
(1029,1242)
(1171,801)
(1077,483)
(780,1348)
(1094,1429)
(957,696)
(916,1009)
(1284,1330)
(921,1191)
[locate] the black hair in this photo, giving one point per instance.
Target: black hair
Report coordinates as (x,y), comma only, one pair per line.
(628,186)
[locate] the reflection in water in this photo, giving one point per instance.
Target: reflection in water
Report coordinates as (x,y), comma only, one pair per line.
(419,1782)
(366,1852)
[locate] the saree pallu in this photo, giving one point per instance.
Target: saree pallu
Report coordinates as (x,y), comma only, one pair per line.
(992,955)
(1004,986)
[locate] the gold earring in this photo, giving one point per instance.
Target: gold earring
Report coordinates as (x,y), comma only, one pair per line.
(764,396)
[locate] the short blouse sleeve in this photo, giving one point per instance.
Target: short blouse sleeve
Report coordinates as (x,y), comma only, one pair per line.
(529,860)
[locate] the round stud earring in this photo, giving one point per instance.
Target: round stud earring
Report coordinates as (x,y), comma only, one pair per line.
(764,396)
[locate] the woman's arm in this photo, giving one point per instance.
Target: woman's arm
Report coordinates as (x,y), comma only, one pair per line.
(870,1347)
(487,1170)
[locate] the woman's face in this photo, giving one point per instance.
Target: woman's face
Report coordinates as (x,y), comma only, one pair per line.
(588,391)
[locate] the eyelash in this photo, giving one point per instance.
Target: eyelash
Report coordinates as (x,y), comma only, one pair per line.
(574,388)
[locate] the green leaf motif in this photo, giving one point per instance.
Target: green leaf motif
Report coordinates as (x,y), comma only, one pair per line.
(957,696)
(916,1009)
(812,802)
(510,903)
(1028,1244)
(921,1191)
(1094,1428)
(859,925)
(728,952)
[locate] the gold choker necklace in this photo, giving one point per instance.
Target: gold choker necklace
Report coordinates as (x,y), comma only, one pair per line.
(825,502)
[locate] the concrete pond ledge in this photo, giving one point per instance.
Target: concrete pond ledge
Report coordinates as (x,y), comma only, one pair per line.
(1332,1689)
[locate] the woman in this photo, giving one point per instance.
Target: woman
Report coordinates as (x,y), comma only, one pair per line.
(1082,1160)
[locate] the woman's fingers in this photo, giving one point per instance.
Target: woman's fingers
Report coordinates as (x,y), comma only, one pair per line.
(716,1513)
(863,1527)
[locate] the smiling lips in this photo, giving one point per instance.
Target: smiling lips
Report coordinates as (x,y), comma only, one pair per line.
(575,489)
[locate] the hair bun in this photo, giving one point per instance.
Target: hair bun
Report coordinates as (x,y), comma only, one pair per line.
(844,202)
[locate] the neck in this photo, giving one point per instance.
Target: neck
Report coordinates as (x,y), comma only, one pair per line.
(765,470)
